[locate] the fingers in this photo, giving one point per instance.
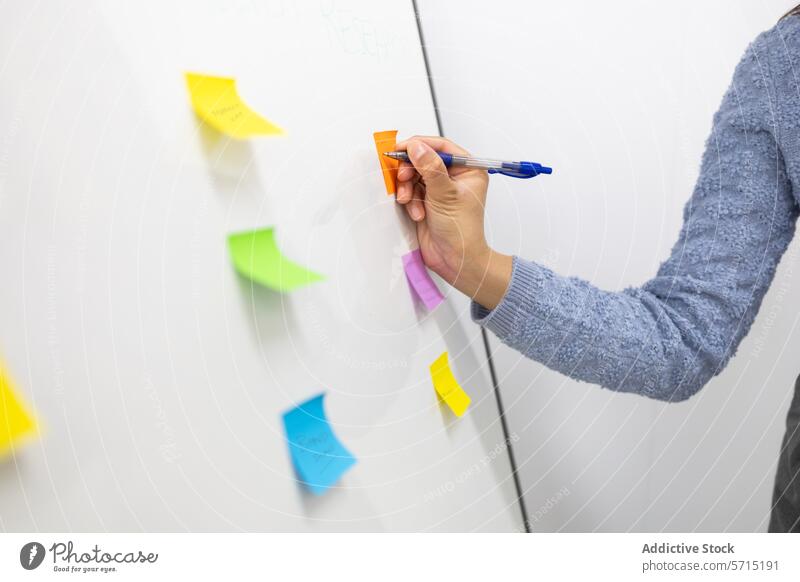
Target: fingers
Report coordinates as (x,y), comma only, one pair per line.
(405,189)
(405,172)
(427,166)
(416,206)
(430,166)
(440,144)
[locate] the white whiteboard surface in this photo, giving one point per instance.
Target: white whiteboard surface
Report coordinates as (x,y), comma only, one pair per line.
(158,374)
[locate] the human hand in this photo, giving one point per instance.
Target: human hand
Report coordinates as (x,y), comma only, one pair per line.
(448,209)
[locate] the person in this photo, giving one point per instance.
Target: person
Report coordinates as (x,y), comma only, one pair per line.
(669,337)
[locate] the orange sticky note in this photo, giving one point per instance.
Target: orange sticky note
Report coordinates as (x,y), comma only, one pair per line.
(385,141)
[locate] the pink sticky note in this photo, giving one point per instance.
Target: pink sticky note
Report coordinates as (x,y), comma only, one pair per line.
(421,281)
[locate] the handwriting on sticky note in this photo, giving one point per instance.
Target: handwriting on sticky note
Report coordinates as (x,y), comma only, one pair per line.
(317,455)
(447,387)
(256,255)
(16,422)
(385,141)
(216,101)
(420,280)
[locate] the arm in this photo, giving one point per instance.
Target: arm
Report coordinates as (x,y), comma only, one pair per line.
(666,339)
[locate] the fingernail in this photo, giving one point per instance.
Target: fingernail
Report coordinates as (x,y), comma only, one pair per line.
(416,213)
(419,149)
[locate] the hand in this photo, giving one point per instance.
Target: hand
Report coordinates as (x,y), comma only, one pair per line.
(449,212)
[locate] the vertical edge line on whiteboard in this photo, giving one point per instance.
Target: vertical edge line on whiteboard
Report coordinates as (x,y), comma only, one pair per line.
(492,372)
(514,472)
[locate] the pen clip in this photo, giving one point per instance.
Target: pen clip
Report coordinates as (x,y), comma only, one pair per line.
(521,170)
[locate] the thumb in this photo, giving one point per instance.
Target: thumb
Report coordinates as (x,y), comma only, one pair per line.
(430,166)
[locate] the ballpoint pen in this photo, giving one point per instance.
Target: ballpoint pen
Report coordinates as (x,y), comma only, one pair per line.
(513,169)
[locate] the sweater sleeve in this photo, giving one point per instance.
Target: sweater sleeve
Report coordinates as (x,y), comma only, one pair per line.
(670,336)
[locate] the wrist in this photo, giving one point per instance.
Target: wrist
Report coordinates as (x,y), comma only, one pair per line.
(485,277)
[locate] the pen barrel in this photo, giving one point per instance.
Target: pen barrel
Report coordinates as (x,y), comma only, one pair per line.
(513,169)
(482,163)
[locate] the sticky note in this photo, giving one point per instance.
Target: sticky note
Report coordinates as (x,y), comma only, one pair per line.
(15,421)
(385,141)
(420,280)
(256,255)
(447,387)
(216,101)
(317,455)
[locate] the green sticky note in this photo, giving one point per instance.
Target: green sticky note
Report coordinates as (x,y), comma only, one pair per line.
(256,256)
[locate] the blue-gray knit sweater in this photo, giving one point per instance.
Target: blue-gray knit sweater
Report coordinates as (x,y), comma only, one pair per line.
(667,338)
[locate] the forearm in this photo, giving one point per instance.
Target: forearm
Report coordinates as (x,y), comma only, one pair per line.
(624,341)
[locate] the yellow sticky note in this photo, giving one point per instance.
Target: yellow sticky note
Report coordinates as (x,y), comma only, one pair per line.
(447,386)
(15,421)
(217,102)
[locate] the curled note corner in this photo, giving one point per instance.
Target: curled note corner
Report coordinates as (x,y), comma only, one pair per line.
(385,141)
(216,101)
(256,256)
(318,457)
(447,387)
(420,280)
(17,424)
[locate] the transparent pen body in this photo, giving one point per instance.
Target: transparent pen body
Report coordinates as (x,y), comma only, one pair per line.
(482,163)
(514,169)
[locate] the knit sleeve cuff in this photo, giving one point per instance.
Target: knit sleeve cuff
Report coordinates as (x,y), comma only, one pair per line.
(527,278)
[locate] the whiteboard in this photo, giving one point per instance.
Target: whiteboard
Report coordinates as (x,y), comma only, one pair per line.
(158,374)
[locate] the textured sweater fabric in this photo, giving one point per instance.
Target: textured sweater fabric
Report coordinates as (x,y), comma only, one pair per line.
(669,337)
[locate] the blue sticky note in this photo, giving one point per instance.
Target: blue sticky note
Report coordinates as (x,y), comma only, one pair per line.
(318,457)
